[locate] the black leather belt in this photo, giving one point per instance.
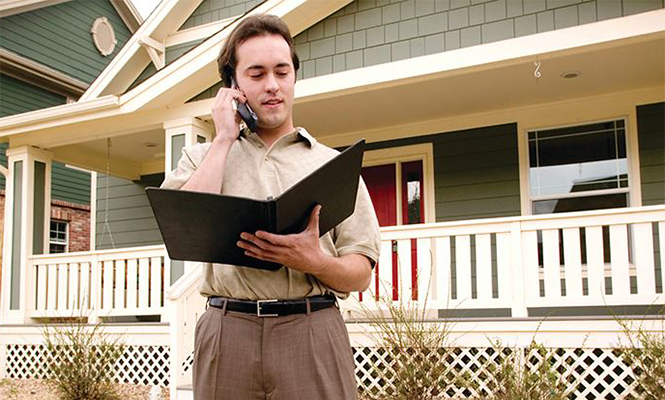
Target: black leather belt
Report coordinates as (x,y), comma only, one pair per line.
(273,308)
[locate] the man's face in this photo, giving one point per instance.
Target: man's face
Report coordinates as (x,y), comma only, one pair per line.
(265,73)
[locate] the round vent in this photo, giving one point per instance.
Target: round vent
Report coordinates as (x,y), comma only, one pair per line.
(103,36)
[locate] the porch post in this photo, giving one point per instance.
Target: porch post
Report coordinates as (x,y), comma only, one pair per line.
(27,222)
(180,133)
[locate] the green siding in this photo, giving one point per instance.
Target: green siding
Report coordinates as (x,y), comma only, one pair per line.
(16,237)
(651,139)
(18,97)
(130,217)
(38,209)
(59,36)
(69,184)
(214,10)
(369,32)
(476,172)
(3,162)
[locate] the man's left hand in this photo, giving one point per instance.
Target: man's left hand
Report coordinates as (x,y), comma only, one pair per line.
(299,251)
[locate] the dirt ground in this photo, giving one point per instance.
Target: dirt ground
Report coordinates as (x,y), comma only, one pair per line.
(36,389)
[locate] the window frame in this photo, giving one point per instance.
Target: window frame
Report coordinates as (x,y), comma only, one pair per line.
(525,166)
(397,155)
(66,241)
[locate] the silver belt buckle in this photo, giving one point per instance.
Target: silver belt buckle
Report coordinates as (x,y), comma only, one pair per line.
(258,308)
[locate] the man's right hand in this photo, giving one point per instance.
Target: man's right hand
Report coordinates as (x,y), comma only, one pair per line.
(225,117)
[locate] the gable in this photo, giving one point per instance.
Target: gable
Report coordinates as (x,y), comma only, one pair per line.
(215,10)
(59,37)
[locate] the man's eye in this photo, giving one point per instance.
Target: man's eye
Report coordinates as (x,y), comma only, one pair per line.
(255,76)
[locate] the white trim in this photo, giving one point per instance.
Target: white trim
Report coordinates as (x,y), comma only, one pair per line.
(588,193)
(527,198)
(66,243)
(396,155)
(198,32)
(156,51)
(60,114)
(93,210)
(23,68)
(633,152)
(11,7)
(128,13)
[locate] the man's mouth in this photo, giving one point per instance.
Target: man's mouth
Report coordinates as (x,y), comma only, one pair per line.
(272,103)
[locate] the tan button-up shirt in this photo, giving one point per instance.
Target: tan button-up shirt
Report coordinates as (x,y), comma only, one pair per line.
(255,171)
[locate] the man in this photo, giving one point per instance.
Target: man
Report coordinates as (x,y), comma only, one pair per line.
(304,351)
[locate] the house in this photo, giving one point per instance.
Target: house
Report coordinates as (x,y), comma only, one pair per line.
(515,158)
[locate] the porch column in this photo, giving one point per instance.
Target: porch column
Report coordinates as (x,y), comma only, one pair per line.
(27,222)
(180,133)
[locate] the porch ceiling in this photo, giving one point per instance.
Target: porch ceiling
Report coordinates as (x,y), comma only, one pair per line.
(339,117)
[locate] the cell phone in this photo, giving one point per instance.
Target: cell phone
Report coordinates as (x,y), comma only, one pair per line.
(246,113)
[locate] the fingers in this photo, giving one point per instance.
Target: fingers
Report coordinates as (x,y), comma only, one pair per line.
(224,113)
(313,223)
(278,240)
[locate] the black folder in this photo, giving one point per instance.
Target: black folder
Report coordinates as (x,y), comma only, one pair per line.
(206,227)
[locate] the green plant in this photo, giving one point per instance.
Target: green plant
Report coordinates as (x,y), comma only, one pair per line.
(524,373)
(645,355)
(415,347)
(81,360)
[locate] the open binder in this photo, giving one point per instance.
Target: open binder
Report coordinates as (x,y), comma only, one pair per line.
(206,227)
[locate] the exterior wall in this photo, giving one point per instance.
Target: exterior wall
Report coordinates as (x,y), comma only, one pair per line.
(19,97)
(476,172)
(369,32)
(69,185)
(78,217)
(214,10)
(59,36)
(130,217)
(651,137)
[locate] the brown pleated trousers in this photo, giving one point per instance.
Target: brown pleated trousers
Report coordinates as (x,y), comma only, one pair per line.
(302,356)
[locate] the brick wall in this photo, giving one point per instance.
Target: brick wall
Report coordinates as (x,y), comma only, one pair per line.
(78,217)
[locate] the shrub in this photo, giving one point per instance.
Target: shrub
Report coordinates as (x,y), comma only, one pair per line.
(524,373)
(645,355)
(81,360)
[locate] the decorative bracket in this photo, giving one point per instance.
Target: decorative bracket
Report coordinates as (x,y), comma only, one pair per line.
(156,51)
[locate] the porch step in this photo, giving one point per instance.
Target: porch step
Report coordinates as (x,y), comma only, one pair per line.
(184,392)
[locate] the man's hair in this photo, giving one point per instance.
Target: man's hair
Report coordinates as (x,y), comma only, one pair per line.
(255,25)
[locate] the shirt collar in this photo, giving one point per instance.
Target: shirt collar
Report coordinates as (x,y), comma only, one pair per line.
(299,134)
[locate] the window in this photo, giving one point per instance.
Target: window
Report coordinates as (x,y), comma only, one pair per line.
(58,237)
(578,168)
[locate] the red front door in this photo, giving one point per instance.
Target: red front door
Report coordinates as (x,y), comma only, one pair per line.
(382,186)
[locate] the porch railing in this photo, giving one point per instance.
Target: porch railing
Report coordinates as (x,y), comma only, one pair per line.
(107,283)
(598,258)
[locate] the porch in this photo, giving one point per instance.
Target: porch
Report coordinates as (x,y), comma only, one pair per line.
(511,279)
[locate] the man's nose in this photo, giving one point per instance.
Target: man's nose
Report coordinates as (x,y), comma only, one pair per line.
(271,83)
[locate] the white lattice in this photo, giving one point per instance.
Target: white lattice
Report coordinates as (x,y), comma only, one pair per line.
(587,373)
(143,365)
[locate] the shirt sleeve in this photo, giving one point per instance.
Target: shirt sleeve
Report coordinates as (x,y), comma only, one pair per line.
(177,178)
(359,234)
